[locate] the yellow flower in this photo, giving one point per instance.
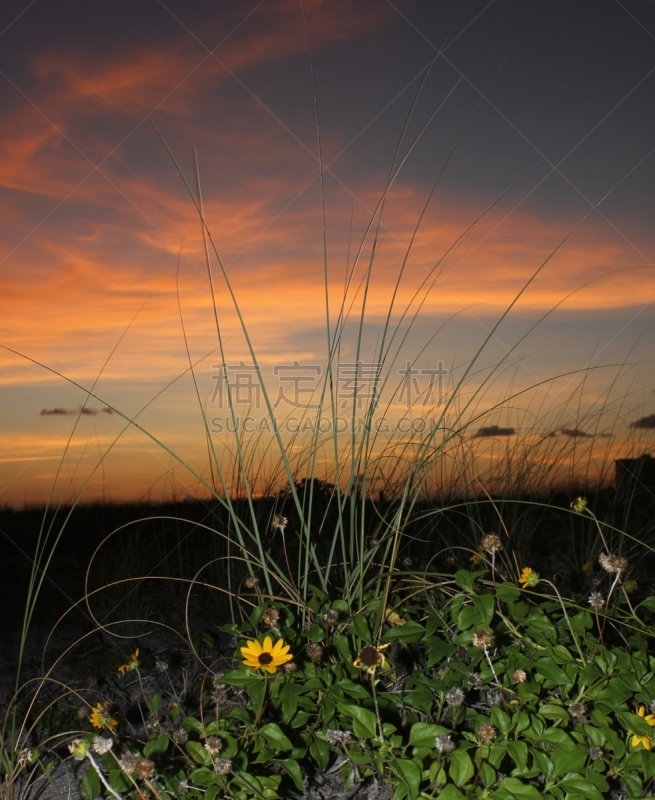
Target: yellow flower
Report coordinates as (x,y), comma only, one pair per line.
(646,741)
(100,717)
(132,664)
(528,577)
(268,656)
(395,619)
(588,565)
(477,558)
(370,658)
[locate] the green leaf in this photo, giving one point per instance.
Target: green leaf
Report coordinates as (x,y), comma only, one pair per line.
(552,672)
(156,747)
(507,592)
(341,643)
(409,632)
(320,752)
(461,768)
(359,627)
(553,711)
(90,786)
(275,737)
(293,769)
(500,720)
(519,789)
(193,725)
(423,734)
(316,633)
(576,784)
(364,721)
(466,579)
(118,780)
(354,689)
(518,752)
(485,605)
(410,773)
(569,760)
(449,792)
(199,754)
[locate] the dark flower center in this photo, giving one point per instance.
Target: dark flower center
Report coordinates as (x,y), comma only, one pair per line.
(264,658)
(369,656)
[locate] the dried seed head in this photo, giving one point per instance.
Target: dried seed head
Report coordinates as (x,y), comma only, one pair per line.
(331,617)
(25,757)
(82,713)
(289,667)
(482,639)
(183,786)
(596,753)
(408,563)
(577,711)
(612,563)
(279,523)
(339,737)
(129,762)
(519,676)
(314,650)
(487,733)
(101,745)
(596,600)
(145,768)
(161,665)
(444,743)
(250,582)
(455,696)
(222,766)
(180,737)
(217,680)
(213,745)
(271,617)
(474,679)
(491,543)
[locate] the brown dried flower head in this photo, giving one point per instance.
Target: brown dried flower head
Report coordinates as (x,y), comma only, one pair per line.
(455,696)
(596,600)
(26,756)
(279,523)
(612,563)
(482,639)
(129,762)
(271,617)
(519,676)
(101,745)
(213,745)
(577,710)
(331,616)
(250,582)
(314,650)
(180,737)
(596,753)
(487,733)
(222,766)
(491,543)
(289,667)
(145,768)
(342,738)
(444,743)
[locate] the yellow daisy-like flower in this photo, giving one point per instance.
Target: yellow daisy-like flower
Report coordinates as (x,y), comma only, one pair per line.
(100,717)
(646,741)
(528,577)
(266,656)
(132,663)
(370,658)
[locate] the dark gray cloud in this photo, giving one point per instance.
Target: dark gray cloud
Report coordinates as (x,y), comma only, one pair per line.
(73,412)
(576,433)
(644,423)
(494,430)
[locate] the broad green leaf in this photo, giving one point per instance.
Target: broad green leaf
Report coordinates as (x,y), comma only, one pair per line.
(576,784)
(552,672)
(519,789)
(90,786)
(466,579)
(293,769)
(199,754)
(569,760)
(553,711)
(410,773)
(449,792)
(500,720)
(507,592)
(359,627)
(423,734)
(518,752)
(409,632)
(461,767)
(364,721)
(275,737)
(485,605)
(320,752)
(156,747)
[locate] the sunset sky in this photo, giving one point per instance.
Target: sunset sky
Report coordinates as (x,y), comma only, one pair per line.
(529,115)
